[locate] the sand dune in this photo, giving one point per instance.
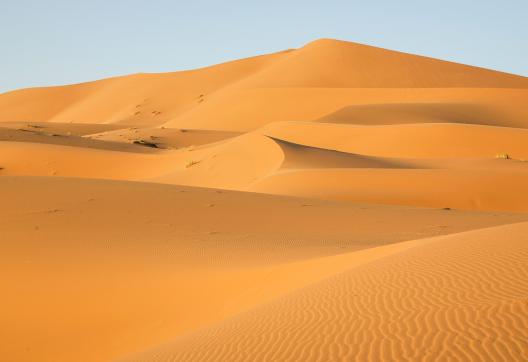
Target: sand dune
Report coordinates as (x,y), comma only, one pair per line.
(433,165)
(248,109)
(237,95)
(136,99)
(340,64)
(167,138)
(97,269)
(437,140)
(37,159)
(460,297)
(332,202)
(304,157)
(401,113)
(460,189)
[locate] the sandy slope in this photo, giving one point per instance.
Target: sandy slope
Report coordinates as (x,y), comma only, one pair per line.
(341,64)
(93,270)
(432,140)
(136,99)
(428,165)
(110,247)
(410,130)
(457,297)
(245,94)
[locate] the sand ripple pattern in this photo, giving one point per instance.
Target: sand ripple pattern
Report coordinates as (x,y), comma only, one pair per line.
(461,297)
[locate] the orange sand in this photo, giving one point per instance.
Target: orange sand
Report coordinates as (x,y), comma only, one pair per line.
(333,202)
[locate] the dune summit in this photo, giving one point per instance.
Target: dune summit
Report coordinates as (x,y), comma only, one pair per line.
(330,203)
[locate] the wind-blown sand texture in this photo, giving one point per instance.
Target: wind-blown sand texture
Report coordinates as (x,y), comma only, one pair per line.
(335,202)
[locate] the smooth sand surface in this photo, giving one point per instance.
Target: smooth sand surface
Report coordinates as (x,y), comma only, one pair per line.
(332,202)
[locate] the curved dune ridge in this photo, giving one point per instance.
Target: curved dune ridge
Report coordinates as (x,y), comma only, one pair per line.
(333,202)
(427,165)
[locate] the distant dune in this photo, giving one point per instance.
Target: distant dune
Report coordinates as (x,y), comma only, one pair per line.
(329,203)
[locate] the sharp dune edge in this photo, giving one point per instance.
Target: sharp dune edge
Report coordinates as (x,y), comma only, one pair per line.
(333,202)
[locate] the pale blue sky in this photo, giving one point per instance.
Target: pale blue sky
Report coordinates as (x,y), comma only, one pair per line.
(65,41)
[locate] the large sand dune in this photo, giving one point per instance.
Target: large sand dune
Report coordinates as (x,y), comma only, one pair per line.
(333,202)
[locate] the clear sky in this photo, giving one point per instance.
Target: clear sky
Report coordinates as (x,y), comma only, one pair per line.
(48,42)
